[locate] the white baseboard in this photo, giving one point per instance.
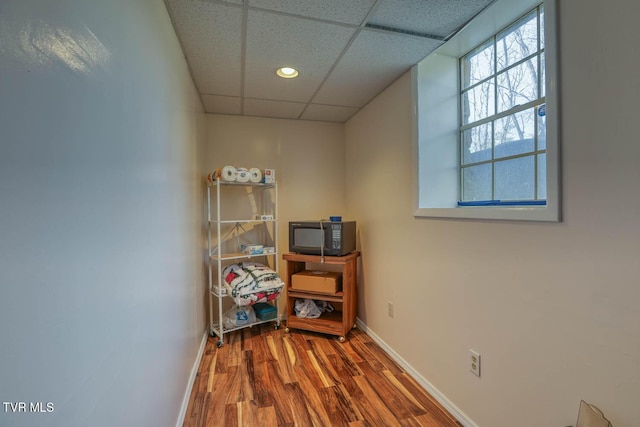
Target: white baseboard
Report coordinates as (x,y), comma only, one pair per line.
(192,379)
(441,398)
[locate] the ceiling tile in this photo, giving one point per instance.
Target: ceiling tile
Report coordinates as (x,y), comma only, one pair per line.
(215,66)
(267,108)
(345,11)
(435,17)
(373,61)
(274,41)
(328,113)
(222,104)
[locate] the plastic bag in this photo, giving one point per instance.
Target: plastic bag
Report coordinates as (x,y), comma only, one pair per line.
(310,309)
(239,316)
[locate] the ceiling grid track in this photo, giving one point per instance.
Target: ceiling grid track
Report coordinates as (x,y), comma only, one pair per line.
(243,56)
(326,77)
(344,51)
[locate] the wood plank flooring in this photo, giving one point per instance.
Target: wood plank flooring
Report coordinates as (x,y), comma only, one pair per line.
(265,377)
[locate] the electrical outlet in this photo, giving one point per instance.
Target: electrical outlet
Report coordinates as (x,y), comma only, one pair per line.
(390,309)
(474,362)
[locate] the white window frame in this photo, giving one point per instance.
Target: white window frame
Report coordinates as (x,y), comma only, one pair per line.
(436,119)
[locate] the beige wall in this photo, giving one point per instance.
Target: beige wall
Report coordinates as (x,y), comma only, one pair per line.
(552,308)
(308,158)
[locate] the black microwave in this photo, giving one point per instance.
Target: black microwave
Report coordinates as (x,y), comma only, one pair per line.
(330,238)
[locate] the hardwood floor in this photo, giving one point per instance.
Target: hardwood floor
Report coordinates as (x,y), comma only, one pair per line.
(265,377)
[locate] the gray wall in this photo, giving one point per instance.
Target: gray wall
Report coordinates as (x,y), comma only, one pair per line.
(101,284)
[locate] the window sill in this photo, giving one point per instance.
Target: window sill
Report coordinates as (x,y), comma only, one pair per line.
(501,203)
(514,213)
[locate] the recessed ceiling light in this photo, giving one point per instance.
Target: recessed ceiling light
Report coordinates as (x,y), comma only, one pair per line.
(287,72)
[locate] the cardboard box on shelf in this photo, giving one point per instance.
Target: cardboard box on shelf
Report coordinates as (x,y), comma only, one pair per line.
(327,282)
(251,249)
(269,176)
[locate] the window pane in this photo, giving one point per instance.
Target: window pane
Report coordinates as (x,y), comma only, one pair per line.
(478,65)
(514,134)
(517,42)
(542,127)
(478,103)
(476,183)
(476,144)
(518,85)
(542,176)
(543,88)
(515,179)
(541,27)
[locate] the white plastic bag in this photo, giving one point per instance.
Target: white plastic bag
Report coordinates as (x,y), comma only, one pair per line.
(239,316)
(306,308)
(310,309)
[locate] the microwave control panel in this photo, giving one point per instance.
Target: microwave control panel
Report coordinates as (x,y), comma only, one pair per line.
(336,236)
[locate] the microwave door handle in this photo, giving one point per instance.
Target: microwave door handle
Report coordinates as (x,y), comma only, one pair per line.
(321,242)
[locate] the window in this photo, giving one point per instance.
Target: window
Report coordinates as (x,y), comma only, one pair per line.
(487,118)
(502,134)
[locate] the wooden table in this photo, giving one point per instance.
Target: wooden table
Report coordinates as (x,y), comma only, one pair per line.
(338,322)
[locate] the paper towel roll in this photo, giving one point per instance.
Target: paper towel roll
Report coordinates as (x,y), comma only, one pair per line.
(255,175)
(242,175)
(227,173)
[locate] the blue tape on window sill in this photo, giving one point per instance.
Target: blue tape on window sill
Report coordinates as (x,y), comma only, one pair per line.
(503,203)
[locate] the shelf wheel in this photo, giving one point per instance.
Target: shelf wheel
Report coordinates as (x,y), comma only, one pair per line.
(220,343)
(276,326)
(342,339)
(286,330)
(354,326)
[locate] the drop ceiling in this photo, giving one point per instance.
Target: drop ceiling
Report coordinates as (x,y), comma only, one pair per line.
(347,51)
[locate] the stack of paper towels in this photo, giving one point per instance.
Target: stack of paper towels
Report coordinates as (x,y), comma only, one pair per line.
(231,174)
